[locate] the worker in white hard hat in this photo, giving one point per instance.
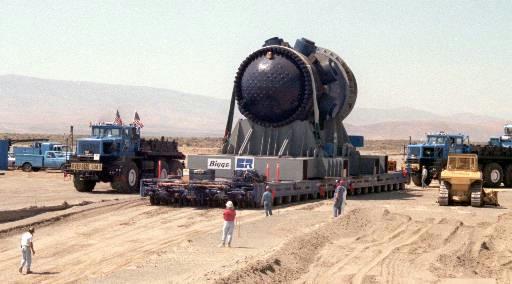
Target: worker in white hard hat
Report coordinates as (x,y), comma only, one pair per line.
(27,249)
(229,224)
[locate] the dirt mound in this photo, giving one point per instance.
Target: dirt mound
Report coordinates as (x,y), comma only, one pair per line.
(294,258)
(14,215)
(367,246)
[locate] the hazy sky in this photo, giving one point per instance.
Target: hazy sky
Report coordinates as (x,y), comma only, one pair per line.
(438,55)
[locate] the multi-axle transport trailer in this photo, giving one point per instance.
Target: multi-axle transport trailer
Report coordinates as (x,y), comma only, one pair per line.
(292,138)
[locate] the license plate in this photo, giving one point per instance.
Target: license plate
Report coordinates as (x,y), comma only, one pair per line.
(86,166)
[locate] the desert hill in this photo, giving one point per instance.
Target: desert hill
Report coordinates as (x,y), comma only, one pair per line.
(34,105)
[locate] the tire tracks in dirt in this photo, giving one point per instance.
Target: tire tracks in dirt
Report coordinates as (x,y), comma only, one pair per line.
(390,248)
(99,241)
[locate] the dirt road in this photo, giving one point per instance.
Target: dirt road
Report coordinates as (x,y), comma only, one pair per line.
(391,237)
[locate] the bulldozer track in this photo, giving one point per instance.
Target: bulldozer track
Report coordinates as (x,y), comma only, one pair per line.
(443,198)
(476,196)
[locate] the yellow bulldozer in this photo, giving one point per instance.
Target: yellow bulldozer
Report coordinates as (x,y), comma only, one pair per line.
(461,183)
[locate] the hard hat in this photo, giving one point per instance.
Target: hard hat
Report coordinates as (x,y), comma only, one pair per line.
(229,204)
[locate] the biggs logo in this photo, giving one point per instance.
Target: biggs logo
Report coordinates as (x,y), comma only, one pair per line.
(219,164)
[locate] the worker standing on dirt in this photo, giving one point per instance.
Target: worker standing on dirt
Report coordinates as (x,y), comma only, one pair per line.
(340,194)
(266,201)
(27,249)
(424,174)
(229,224)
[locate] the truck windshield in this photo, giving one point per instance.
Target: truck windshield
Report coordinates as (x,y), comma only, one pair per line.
(414,151)
(461,164)
(508,130)
(104,132)
(436,140)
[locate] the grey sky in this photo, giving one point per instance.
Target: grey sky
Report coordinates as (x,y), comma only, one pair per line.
(437,55)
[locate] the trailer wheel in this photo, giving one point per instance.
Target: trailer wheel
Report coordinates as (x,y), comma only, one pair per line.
(508,176)
(83,185)
(26,167)
(153,200)
(175,167)
(164,170)
(493,175)
(128,181)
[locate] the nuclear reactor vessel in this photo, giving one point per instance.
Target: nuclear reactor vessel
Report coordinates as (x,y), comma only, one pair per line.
(292,102)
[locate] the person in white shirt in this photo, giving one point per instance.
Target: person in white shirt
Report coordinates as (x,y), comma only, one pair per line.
(27,249)
(424,175)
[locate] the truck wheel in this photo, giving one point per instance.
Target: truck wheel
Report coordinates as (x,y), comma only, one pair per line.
(493,175)
(428,180)
(26,167)
(175,167)
(153,200)
(508,176)
(83,185)
(164,169)
(416,179)
(128,181)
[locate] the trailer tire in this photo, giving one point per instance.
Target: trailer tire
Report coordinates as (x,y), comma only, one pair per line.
(83,185)
(175,168)
(153,200)
(164,170)
(493,175)
(26,167)
(128,181)
(508,176)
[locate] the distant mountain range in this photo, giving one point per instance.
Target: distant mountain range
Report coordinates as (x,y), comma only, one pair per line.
(33,105)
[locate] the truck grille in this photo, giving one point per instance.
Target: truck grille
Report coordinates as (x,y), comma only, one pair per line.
(88,148)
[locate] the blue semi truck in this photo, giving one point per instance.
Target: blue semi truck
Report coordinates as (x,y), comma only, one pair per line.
(40,155)
(494,158)
(117,154)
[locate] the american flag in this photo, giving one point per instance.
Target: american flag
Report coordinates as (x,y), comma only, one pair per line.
(137,122)
(118,120)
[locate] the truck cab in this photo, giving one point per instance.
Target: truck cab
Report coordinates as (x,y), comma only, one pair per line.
(109,140)
(505,140)
(433,154)
(117,154)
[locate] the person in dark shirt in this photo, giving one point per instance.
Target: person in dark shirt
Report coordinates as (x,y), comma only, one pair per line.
(340,194)
(266,201)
